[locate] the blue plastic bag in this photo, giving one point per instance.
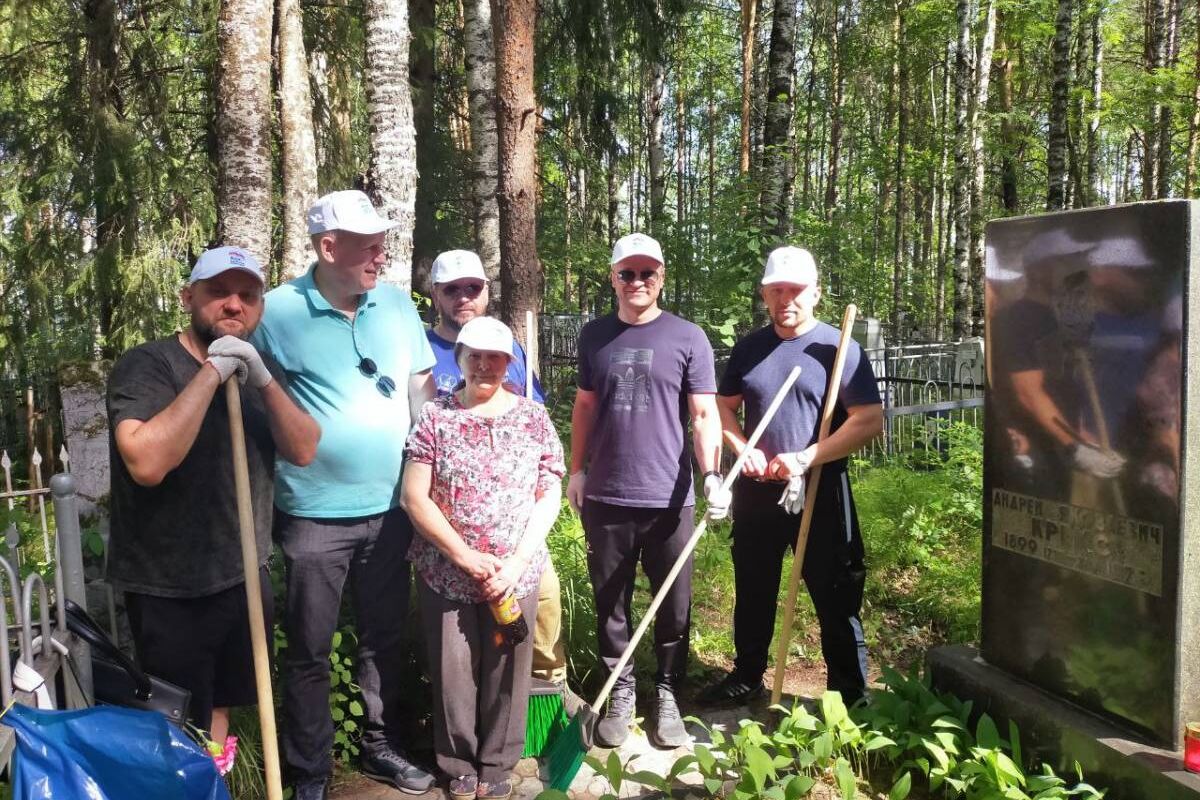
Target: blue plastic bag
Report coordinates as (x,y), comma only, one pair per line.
(108,753)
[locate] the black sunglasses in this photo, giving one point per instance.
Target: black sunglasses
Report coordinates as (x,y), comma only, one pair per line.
(646,275)
(471,290)
(384,384)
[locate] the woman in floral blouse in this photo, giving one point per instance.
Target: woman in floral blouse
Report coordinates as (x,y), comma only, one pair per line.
(482,487)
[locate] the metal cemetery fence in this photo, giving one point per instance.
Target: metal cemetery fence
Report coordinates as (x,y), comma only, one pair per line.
(41,562)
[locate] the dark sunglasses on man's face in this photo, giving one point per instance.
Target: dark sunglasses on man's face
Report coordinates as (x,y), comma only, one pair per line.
(646,275)
(469,290)
(384,384)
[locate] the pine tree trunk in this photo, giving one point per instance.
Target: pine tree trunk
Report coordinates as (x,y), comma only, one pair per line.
(656,151)
(1165,114)
(748,10)
(244,126)
(111,207)
(1056,143)
(1008,132)
(835,115)
(778,128)
(1193,124)
(1156,21)
(481,88)
(964,58)
(983,74)
(296,139)
(513,30)
(423,81)
(393,168)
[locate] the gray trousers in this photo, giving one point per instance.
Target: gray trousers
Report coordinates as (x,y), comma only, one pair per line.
(320,554)
(480,691)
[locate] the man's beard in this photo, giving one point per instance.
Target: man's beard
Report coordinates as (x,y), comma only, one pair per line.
(208,333)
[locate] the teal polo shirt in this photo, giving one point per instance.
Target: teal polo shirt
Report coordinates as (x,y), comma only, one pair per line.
(356,472)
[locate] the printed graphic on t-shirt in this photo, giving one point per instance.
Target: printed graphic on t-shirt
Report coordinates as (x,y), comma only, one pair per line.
(630,368)
(446,383)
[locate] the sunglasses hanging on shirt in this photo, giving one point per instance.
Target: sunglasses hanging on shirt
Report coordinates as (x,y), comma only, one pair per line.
(384,384)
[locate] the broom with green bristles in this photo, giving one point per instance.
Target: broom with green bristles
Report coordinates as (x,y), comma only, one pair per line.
(546,716)
(566,751)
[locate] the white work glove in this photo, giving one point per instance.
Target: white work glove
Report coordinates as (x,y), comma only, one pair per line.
(1096,461)
(792,499)
(718,498)
(575,490)
(230,354)
(788,465)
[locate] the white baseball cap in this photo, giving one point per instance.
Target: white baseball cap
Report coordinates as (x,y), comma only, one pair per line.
(486,333)
(1122,251)
(636,244)
(348,210)
(212,263)
(453,265)
(792,265)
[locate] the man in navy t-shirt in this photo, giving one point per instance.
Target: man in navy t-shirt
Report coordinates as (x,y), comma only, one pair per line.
(460,293)
(643,374)
(763,528)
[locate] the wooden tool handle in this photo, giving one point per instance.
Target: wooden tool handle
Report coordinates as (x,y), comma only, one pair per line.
(810,498)
(258,631)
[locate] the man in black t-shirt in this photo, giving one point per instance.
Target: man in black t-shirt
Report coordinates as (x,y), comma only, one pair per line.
(175,549)
(766,516)
(643,373)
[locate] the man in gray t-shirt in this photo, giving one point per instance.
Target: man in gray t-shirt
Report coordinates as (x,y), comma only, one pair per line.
(643,374)
(763,528)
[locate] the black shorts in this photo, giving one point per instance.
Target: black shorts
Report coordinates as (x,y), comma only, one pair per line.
(201,644)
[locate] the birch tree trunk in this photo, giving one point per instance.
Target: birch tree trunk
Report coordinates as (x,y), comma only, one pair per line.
(297,141)
(393,167)
(1097,99)
(964,58)
(481,88)
(244,126)
(900,78)
(778,127)
(1056,144)
(513,29)
(983,73)
(835,114)
(748,10)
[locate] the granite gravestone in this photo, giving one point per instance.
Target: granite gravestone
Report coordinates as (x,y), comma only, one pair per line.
(1089,586)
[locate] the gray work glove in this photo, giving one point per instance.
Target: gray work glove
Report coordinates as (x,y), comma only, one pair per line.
(1096,461)
(718,499)
(792,499)
(230,354)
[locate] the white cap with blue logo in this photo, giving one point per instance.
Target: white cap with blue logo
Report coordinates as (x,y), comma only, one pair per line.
(348,210)
(212,263)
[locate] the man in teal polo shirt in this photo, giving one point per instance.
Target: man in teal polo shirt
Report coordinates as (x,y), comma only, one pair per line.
(357,359)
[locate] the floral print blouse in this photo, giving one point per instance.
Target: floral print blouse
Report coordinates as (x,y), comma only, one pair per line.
(487,473)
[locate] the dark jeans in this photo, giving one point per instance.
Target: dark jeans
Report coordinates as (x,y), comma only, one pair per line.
(480,691)
(319,555)
(618,537)
(833,572)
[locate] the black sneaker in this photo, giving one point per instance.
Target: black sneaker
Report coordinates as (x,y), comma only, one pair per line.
(613,729)
(666,728)
(571,701)
(732,690)
(385,764)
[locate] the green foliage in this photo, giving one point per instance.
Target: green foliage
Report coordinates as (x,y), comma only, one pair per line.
(906,734)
